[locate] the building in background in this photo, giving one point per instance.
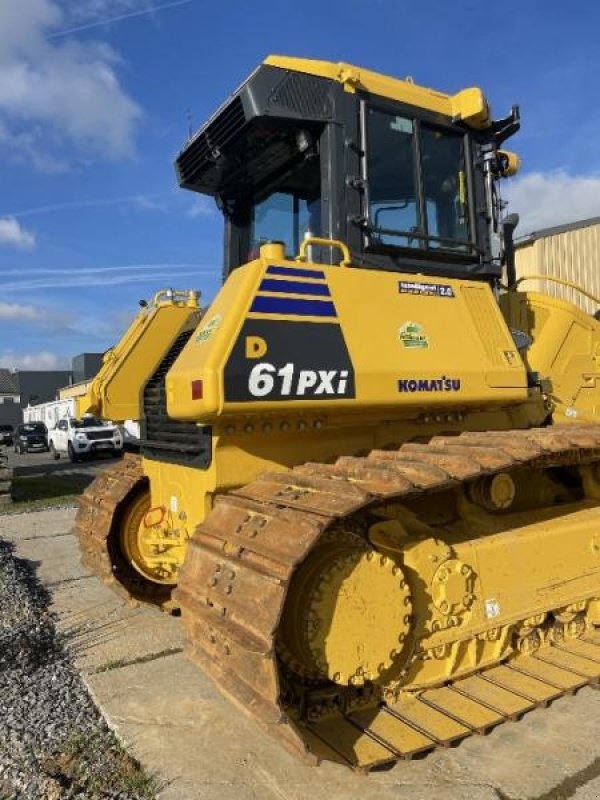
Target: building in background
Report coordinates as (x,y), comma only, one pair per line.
(85,366)
(568,252)
(10,407)
(39,386)
(22,388)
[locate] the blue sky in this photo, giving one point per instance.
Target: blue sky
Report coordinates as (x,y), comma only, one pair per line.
(94,104)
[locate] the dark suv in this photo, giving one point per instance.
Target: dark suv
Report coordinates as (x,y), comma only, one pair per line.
(32,436)
(6,434)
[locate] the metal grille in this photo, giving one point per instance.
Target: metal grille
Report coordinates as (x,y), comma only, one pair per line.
(165,438)
(95,435)
(491,333)
(207,145)
(304,94)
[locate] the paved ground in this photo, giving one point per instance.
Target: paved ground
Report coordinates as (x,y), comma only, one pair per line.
(29,464)
(179,726)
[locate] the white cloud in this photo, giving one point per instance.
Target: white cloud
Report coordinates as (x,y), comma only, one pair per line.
(93,10)
(145,202)
(543,200)
(57,94)
(13,234)
(160,275)
(202,207)
(90,14)
(34,315)
(139,202)
(40,360)
(16,311)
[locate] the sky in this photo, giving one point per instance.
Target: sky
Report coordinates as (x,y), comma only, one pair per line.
(97,97)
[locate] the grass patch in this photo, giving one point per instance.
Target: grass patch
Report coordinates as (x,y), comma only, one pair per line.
(98,765)
(42,492)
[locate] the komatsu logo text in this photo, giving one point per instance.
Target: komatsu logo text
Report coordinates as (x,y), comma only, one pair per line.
(289,381)
(442,384)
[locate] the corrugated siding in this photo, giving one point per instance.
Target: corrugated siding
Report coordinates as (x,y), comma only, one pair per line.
(572,255)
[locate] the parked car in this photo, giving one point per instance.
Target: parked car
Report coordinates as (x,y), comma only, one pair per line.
(31,437)
(131,435)
(82,437)
(6,434)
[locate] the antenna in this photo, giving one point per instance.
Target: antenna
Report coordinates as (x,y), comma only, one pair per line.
(189,119)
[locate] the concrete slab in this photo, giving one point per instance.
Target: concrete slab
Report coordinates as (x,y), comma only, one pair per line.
(101,629)
(209,750)
(179,726)
(44,538)
(589,791)
(219,750)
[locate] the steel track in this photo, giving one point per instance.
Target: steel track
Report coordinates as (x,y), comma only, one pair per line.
(242,557)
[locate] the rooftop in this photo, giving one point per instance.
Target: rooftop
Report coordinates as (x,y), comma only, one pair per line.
(557,229)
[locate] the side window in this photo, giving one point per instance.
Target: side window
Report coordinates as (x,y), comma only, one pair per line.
(62,425)
(391,167)
(290,214)
(416,184)
(445,188)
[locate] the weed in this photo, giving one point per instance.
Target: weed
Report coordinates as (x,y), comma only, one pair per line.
(115,663)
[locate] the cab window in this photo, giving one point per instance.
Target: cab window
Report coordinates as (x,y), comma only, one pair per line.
(289,214)
(444,187)
(394,211)
(416,185)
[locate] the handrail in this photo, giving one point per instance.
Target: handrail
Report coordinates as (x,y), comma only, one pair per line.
(561,281)
(345,262)
(187,296)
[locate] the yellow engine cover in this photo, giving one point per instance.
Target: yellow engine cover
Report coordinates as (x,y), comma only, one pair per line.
(345,339)
(565,352)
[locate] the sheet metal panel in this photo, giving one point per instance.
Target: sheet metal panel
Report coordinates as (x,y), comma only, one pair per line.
(573,255)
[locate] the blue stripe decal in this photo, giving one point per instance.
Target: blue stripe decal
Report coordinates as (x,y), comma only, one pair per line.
(294,287)
(295,272)
(286,306)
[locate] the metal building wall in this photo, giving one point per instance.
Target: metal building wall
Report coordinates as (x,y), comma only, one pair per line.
(572,254)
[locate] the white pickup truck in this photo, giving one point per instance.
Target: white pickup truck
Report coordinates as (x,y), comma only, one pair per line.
(84,437)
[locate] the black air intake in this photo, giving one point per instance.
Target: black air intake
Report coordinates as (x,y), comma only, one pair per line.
(164,438)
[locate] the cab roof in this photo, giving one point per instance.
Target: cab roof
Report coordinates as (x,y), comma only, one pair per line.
(469,105)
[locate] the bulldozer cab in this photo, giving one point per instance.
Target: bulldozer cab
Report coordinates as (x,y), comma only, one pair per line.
(402,174)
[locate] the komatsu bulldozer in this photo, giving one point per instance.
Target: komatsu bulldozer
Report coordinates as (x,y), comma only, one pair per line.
(370,468)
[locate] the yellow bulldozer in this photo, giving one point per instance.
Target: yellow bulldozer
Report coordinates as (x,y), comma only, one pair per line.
(370,470)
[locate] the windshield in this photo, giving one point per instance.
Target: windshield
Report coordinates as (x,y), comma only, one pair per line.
(88,422)
(33,427)
(416,184)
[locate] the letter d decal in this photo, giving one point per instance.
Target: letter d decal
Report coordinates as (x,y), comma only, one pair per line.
(256,347)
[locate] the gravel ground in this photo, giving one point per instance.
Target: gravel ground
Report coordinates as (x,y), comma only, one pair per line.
(53,742)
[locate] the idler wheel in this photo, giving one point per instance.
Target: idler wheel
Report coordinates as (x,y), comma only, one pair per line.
(347,616)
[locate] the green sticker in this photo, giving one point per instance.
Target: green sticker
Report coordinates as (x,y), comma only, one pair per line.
(207,330)
(412,335)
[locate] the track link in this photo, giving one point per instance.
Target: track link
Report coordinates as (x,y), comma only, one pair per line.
(242,557)
(99,509)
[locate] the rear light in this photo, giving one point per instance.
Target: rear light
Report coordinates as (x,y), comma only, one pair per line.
(196,390)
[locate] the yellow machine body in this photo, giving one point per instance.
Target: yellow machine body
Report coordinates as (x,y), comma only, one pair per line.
(337,353)
(116,391)
(564,351)
(392,390)
(351,471)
